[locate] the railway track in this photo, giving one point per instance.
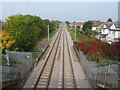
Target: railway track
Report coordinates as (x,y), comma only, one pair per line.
(42,80)
(58,70)
(69,81)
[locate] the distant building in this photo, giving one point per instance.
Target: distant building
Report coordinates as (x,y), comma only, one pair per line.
(80,24)
(96,26)
(107,31)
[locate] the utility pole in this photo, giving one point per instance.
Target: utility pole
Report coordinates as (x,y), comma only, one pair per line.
(48,32)
(56,26)
(75,34)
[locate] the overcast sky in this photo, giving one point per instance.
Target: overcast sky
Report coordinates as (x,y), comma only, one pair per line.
(70,11)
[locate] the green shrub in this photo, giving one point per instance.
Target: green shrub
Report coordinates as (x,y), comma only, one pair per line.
(4,60)
(102,63)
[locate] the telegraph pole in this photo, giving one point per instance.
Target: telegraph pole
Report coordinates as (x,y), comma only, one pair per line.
(48,32)
(75,34)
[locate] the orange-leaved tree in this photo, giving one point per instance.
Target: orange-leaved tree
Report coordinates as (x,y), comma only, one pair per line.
(6,41)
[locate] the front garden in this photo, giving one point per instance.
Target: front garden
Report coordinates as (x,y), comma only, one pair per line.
(93,48)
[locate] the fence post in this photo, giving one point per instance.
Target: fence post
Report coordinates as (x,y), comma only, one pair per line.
(118,82)
(105,81)
(95,81)
(109,68)
(7,56)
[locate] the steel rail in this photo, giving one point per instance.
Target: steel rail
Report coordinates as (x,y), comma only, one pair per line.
(58,36)
(70,59)
(54,59)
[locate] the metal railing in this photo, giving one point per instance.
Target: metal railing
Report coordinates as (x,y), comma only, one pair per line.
(87,68)
(12,76)
(107,80)
(108,76)
(104,76)
(19,68)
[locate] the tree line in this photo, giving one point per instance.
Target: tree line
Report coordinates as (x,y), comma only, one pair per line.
(22,32)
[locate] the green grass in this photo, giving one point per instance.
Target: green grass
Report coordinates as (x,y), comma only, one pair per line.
(52,33)
(102,63)
(45,39)
(78,34)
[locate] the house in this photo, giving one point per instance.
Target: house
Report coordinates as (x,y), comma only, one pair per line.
(114,32)
(108,31)
(80,24)
(96,25)
(105,31)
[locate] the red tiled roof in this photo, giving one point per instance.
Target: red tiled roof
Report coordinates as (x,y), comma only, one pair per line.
(78,24)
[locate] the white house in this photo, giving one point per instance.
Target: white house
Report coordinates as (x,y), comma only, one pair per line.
(114,32)
(108,31)
(105,31)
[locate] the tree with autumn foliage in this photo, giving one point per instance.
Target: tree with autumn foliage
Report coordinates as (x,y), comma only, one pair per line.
(25,29)
(7,42)
(113,51)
